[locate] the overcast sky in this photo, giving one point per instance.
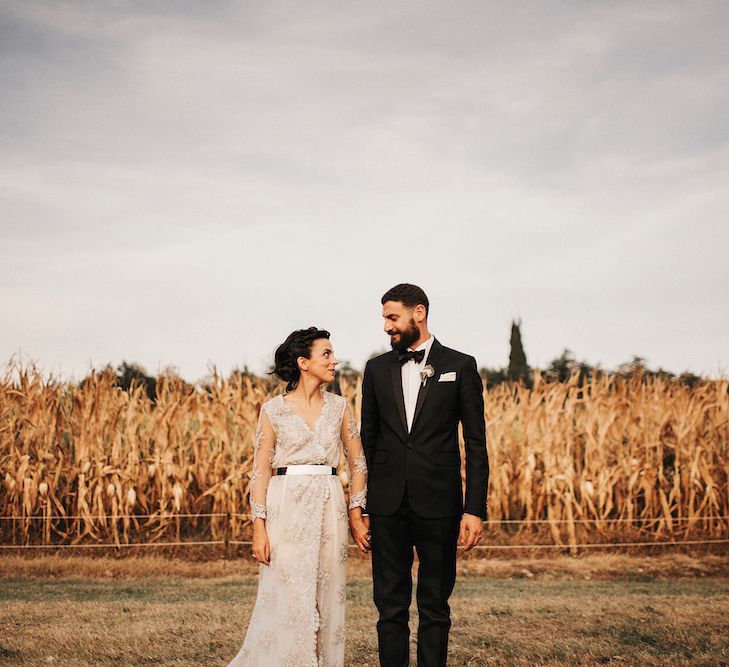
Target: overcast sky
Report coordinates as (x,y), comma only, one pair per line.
(184,183)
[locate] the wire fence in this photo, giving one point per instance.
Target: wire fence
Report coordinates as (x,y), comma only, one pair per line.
(104,517)
(175,515)
(481,547)
(229,541)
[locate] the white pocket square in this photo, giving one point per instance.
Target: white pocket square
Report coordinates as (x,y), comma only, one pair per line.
(447,377)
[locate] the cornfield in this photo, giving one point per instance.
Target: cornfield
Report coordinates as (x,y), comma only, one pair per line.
(614,459)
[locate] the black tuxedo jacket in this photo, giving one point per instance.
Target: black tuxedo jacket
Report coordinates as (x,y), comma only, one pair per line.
(426,460)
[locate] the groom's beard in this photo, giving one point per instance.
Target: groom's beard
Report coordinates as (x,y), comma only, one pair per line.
(407,337)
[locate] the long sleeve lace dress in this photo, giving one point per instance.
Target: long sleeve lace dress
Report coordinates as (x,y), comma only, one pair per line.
(298,618)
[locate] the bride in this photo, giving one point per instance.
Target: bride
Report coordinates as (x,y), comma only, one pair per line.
(299,514)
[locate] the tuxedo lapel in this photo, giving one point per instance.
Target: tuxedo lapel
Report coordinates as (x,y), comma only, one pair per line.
(395,370)
(436,349)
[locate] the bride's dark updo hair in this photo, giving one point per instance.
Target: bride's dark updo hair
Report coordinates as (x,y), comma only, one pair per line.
(298,344)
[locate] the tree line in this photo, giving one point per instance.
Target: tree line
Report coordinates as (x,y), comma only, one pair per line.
(566,365)
(128,374)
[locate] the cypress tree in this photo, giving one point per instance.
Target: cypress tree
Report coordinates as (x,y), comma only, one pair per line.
(518,367)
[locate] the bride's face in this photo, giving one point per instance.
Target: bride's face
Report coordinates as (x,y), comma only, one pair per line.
(322,362)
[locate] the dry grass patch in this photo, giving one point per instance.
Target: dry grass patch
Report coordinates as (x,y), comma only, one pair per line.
(592,566)
(155,612)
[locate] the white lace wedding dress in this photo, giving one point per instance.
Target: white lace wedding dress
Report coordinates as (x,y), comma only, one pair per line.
(298,619)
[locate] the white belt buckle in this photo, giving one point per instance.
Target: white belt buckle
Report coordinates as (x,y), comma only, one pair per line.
(306,469)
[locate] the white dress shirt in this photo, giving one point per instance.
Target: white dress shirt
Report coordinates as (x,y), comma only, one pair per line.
(411,380)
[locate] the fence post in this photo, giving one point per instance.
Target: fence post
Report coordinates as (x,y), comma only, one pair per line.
(226,539)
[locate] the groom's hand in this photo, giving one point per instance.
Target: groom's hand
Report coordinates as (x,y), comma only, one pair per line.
(471,531)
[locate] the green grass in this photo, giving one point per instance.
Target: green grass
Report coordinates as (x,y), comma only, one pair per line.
(202,621)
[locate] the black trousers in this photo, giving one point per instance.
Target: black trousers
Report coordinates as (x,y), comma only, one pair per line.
(393,539)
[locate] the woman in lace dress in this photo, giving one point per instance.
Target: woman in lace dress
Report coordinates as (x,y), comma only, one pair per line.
(300,527)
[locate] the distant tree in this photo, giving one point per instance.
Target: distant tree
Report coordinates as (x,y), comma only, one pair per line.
(633,367)
(637,365)
(98,373)
(561,368)
(565,366)
(691,379)
(518,367)
(170,376)
(493,376)
(131,375)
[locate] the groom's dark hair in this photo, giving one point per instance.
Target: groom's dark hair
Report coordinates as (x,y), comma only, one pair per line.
(408,295)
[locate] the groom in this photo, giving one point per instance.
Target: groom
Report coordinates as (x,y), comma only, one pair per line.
(412,401)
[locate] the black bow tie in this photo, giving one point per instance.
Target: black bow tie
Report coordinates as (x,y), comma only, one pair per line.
(416,355)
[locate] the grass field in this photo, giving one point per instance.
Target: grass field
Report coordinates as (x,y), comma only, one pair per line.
(600,610)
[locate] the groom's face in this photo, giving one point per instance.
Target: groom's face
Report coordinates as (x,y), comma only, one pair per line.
(399,325)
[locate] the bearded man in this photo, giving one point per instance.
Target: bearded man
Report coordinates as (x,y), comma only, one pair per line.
(413,399)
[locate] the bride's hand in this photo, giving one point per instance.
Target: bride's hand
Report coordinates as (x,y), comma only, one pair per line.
(360,527)
(261,548)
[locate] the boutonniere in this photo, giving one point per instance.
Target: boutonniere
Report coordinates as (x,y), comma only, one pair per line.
(427,372)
